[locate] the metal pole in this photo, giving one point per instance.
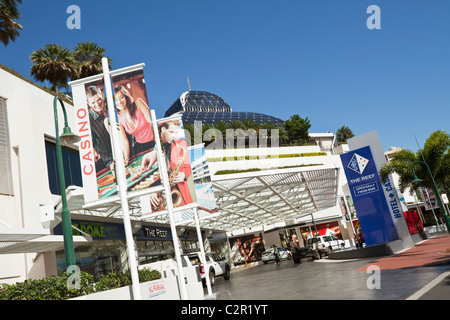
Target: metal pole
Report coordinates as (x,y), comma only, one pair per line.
(168,197)
(65,214)
(202,251)
(315,228)
(121,183)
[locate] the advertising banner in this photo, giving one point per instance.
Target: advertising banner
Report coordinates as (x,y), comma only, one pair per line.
(368,196)
(134,127)
(246,249)
(204,189)
(176,155)
(429,198)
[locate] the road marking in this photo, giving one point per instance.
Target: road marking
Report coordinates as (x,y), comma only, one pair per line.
(429,286)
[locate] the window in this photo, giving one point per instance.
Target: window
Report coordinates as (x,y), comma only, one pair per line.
(72,167)
(6,186)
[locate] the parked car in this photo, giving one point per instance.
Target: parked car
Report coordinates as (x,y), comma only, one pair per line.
(327,244)
(308,251)
(268,255)
(215,266)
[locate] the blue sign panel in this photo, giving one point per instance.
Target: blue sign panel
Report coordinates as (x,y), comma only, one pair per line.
(368,196)
(149,233)
(97,230)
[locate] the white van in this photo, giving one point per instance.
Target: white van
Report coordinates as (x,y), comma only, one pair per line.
(327,244)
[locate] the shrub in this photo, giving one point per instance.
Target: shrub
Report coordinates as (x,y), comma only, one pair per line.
(49,288)
(55,287)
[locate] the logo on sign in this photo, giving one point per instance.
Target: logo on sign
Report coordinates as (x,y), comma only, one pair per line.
(358,163)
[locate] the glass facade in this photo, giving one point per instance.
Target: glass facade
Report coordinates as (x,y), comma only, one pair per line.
(210,109)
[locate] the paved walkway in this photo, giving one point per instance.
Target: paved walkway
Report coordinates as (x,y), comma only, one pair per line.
(431,252)
(422,272)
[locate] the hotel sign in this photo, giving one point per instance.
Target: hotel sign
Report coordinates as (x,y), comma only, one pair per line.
(368,196)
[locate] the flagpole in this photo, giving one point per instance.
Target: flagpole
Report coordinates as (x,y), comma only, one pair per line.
(168,197)
(202,253)
(121,183)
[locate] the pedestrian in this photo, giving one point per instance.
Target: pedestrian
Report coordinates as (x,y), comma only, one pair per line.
(276,254)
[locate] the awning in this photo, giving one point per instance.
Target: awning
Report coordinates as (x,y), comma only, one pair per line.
(245,199)
(15,234)
(40,244)
(271,196)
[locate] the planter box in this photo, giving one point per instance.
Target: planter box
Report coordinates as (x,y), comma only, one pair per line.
(161,289)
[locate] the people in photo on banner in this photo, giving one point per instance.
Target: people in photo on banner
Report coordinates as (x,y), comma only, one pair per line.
(99,127)
(178,165)
(134,120)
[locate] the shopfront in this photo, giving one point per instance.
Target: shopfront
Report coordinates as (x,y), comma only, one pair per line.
(108,252)
(331,228)
(105,254)
(154,244)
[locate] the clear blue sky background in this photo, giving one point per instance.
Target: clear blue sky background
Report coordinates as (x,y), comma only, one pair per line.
(280,57)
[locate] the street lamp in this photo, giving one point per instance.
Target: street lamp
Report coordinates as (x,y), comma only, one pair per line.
(67,138)
(436,191)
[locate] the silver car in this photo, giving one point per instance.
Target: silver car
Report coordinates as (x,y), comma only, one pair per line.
(268,255)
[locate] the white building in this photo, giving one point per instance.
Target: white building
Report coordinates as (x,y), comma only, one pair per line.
(27,134)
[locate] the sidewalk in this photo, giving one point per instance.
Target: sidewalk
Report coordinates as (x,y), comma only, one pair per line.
(431,252)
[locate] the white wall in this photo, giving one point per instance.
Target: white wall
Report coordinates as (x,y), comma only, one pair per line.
(30,119)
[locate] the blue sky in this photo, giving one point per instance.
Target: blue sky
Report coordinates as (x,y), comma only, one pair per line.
(317,59)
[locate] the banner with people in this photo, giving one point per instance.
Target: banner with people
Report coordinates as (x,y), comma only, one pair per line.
(176,155)
(134,128)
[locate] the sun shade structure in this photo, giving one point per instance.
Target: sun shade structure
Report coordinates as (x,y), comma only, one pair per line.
(271,196)
(246,199)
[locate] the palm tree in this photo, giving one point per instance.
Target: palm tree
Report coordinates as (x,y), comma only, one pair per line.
(189,133)
(88,58)
(436,153)
(53,63)
(343,133)
(9,29)
(236,124)
(268,127)
(222,126)
(283,137)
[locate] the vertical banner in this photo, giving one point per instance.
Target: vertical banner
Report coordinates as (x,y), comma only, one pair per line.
(429,198)
(204,189)
(134,128)
(368,196)
(176,155)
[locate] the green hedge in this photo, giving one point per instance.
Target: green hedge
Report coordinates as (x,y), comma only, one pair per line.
(270,156)
(258,169)
(55,287)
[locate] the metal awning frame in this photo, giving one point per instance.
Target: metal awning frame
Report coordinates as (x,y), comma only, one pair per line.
(244,200)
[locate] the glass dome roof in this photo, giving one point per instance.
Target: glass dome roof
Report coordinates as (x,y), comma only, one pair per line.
(214,117)
(210,108)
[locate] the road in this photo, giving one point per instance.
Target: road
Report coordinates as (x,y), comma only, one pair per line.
(395,277)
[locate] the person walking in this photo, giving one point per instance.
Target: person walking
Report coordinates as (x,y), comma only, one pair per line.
(276,254)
